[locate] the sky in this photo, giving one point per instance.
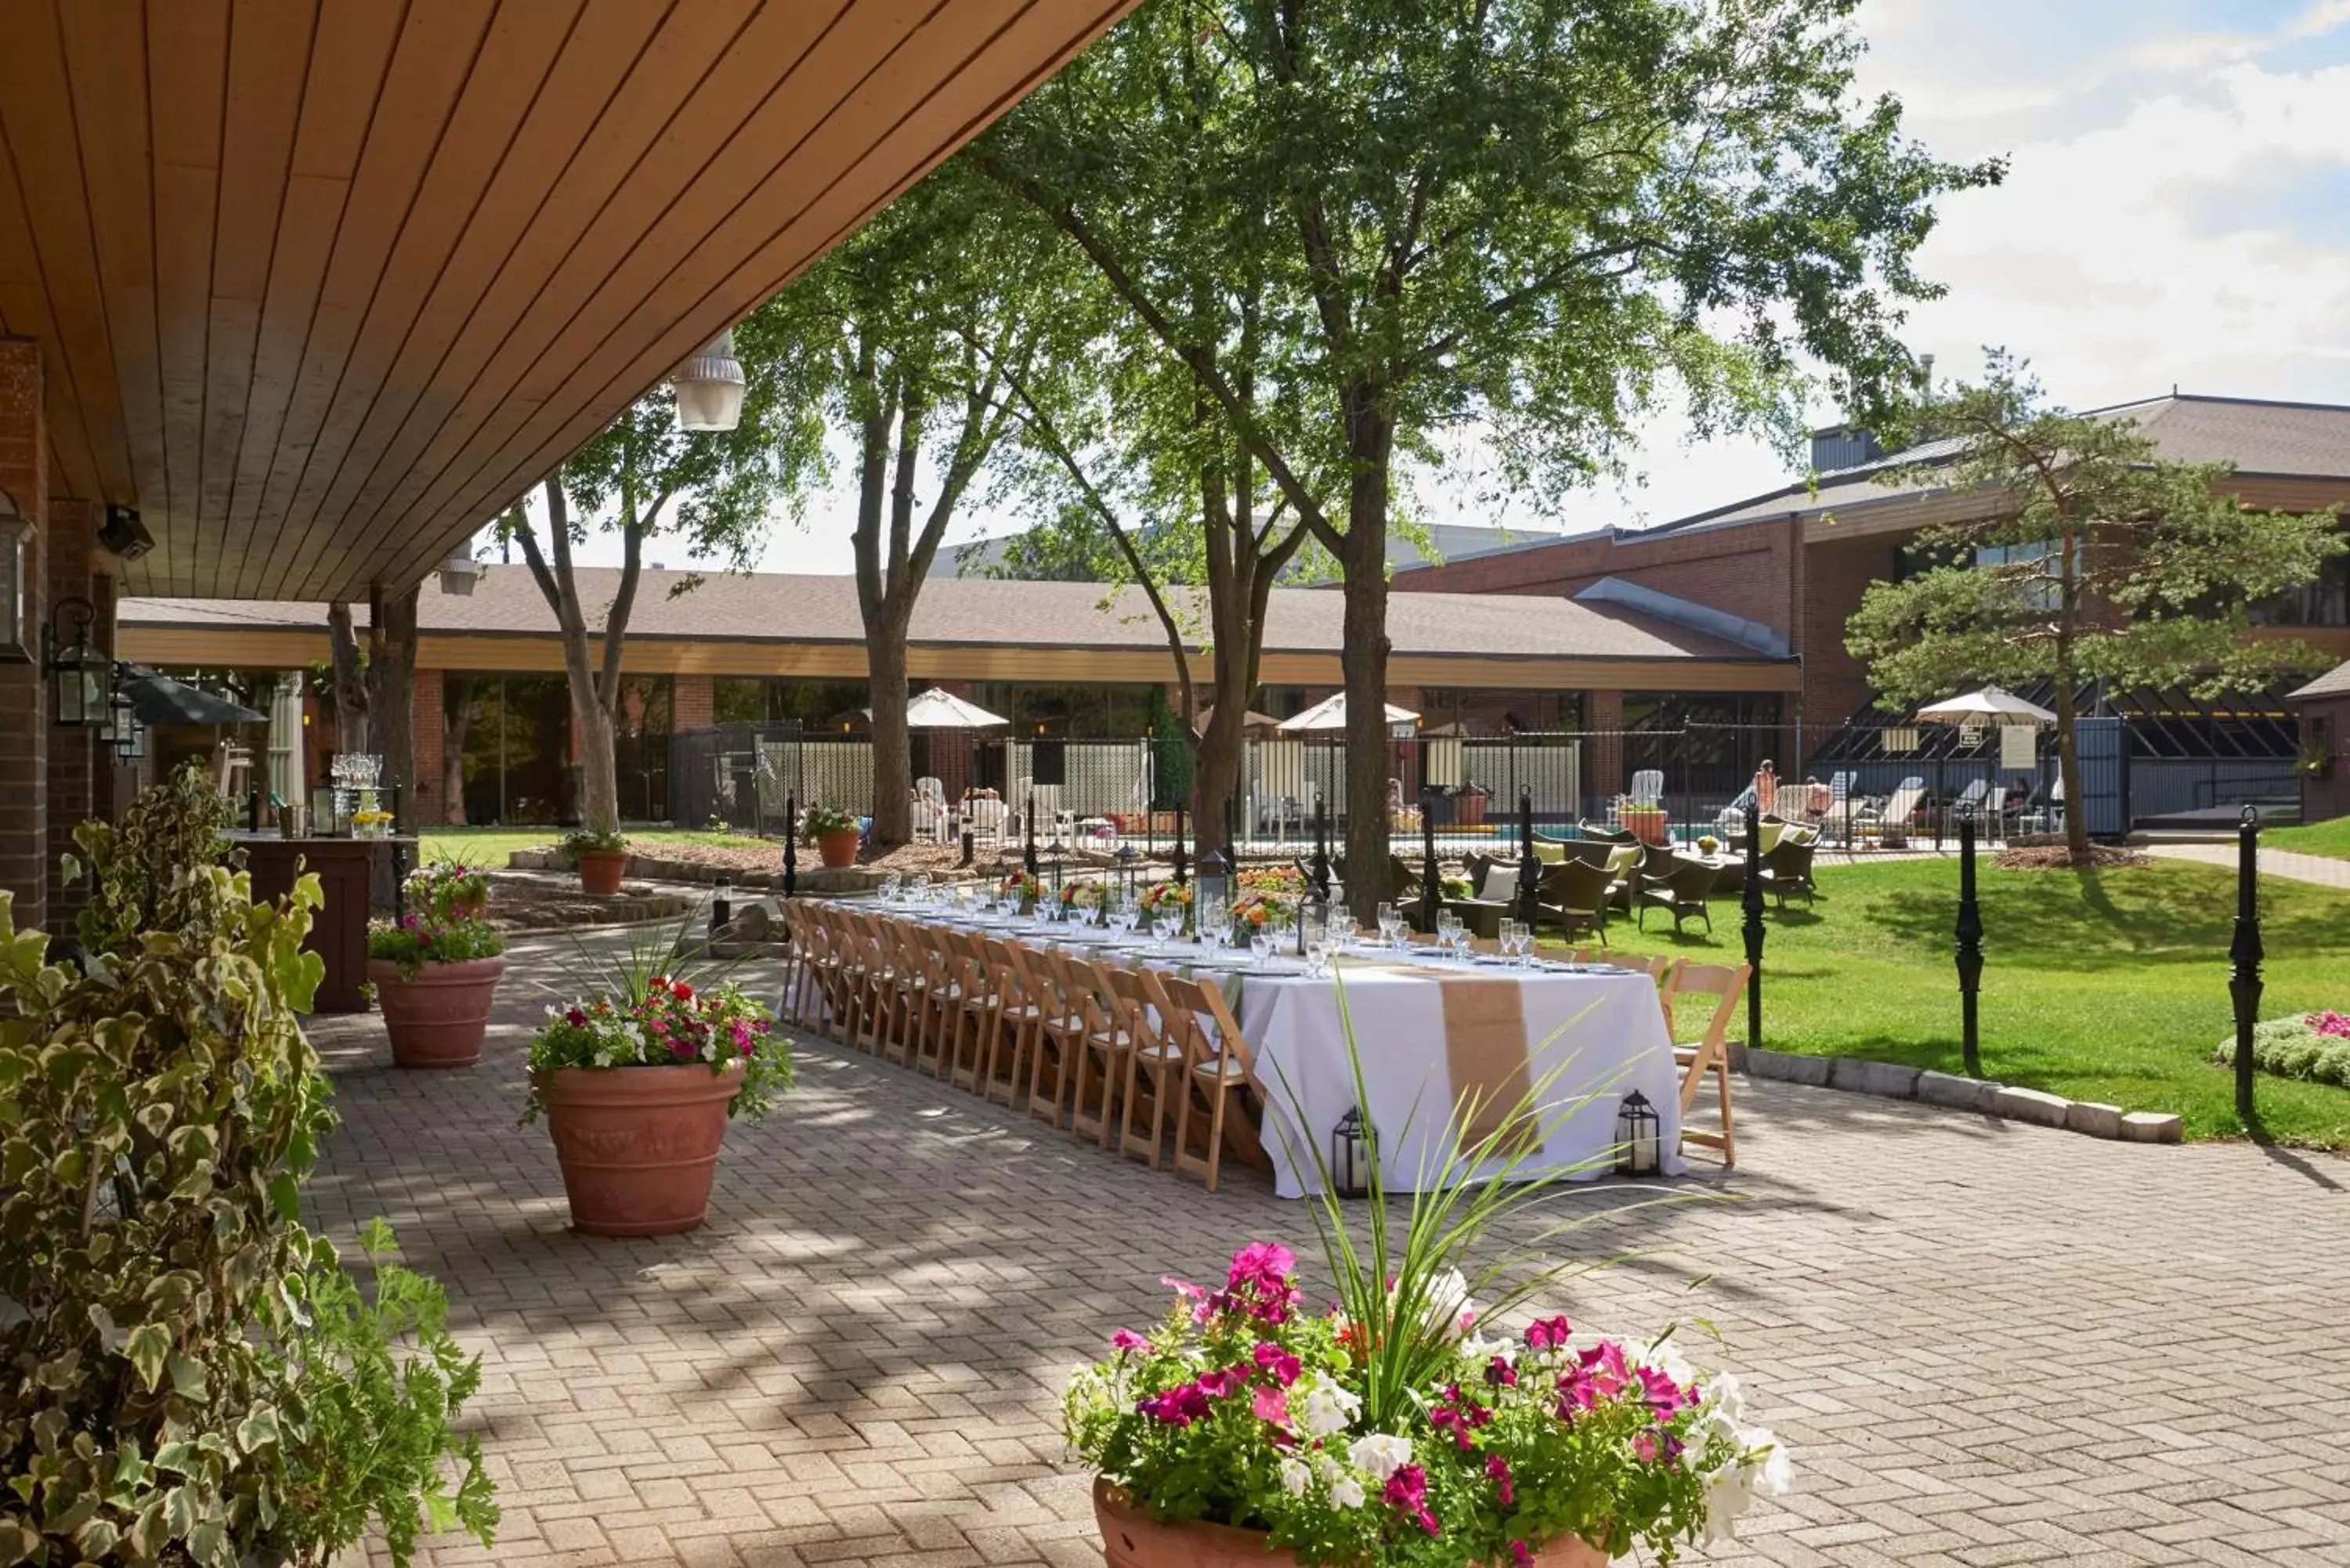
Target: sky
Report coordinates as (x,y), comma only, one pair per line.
(2177,212)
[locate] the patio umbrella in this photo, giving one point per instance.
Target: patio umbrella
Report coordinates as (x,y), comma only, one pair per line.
(1990,705)
(159,700)
(1253,723)
(285,772)
(1331,714)
(936,709)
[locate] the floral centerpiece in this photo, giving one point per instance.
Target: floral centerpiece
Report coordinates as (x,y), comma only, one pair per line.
(435,976)
(1257,910)
(1401,1426)
(1707,844)
(371,822)
(1459,887)
(1162,898)
(1081,895)
(637,1083)
(1021,887)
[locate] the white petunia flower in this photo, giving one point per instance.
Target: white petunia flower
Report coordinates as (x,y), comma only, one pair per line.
(1347,1492)
(1381,1454)
(1775,1476)
(1295,1477)
(1480,1349)
(1324,1409)
(1448,1305)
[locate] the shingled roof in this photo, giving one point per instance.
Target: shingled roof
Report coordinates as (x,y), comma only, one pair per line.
(768,606)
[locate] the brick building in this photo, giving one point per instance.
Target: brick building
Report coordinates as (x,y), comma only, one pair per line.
(1793,564)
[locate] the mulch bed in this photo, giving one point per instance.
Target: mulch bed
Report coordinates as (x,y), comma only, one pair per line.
(2056,857)
(539,904)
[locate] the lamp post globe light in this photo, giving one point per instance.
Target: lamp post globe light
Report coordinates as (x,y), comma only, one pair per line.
(710,387)
(15,531)
(460,572)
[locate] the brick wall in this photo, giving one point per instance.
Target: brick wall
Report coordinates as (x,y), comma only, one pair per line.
(72,793)
(24,708)
(690,703)
(428,728)
(1834,575)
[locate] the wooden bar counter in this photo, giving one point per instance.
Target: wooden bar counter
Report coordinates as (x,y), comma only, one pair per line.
(345,868)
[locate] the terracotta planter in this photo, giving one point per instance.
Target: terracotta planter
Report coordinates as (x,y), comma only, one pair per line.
(437,1019)
(601,870)
(638,1145)
(838,848)
(1649,826)
(1130,1539)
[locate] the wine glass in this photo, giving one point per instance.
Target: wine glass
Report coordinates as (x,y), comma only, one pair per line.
(1317,950)
(1261,942)
(1389,922)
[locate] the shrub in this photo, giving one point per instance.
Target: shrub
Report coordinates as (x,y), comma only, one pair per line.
(421,939)
(2313,1047)
(157,1116)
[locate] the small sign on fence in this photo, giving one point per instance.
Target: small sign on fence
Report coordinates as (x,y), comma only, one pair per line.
(2019,746)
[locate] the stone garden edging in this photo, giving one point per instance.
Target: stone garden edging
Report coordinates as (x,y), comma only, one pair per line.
(1891,1080)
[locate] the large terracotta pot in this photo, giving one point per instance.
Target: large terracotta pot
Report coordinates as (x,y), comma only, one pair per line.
(638,1145)
(1130,1539)
(601,870)
(838,848)
(437,1019)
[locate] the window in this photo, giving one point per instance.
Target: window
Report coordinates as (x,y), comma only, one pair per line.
(2324,602)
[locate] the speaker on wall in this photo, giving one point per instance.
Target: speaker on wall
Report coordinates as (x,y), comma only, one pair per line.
(123,533)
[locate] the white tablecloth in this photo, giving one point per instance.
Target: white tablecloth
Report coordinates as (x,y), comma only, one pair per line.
(1603,1035)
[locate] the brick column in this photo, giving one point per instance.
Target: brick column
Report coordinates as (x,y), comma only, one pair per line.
(24,695)
(427,729)
(690,703)
(1604,768)
(72,772)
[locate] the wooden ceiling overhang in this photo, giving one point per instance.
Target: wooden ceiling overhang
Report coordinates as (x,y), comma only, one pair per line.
(321,287)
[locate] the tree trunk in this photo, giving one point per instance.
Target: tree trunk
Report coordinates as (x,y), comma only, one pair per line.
(591,738)
(1216,768)
(391,698)
(457,719)
(1364,658)
(894,748)
(350,682)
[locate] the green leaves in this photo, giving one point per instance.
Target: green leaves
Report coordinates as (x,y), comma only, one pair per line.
(146,1349)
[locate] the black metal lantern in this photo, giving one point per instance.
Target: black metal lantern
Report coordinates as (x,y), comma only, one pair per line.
(130,742)
(82,674)
(1350,1156)
(1639,1136)
(119,714)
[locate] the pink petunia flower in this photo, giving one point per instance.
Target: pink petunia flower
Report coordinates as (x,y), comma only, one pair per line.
(1521,1555)
(1271,1405)
(1498,1470)
(1406,1493)
(1547,1334)
(1277,1363)
(1126,1339)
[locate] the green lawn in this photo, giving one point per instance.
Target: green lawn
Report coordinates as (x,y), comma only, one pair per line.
(490,845)
(2317,838)
(2109,986)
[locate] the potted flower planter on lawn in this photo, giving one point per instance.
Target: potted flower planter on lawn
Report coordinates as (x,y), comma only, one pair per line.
(637,1085)
(435,977)
(602,859)
(837,834)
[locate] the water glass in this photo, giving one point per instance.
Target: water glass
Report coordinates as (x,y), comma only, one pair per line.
(1262,943)
(1166,928)
(1390,922)
(1317,951)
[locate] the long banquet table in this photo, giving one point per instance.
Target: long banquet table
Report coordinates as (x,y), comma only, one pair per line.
(1588,1035)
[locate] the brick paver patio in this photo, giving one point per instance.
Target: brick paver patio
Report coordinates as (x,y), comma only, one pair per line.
(1990,1344)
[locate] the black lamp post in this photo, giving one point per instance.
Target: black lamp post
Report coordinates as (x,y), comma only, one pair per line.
(1179,834)
(1431,885)
(1321,877)
(791,843)
(1529,863)
(1028,833)
(1969,947)
(2245,951)
(1752,903)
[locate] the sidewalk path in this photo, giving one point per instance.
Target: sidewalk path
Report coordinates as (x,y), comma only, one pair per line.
(2318,870)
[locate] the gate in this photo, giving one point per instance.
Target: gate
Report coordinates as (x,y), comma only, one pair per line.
(2103,746)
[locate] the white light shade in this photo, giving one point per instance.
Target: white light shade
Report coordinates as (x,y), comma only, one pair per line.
(710,387)
(14,533)
(460,572)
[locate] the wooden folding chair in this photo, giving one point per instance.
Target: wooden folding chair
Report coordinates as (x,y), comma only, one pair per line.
(1069,1017)
(1101,1054)
(866,983)
(1018,1017)
(1154,1065)
(1711,1054)
(971,998)
(1213,1069)
(901,999)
